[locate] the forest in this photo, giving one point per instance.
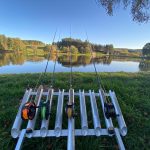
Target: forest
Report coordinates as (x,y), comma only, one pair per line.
(8,43)
(65,45)
(77,45)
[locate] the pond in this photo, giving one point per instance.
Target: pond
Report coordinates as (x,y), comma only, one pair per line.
(14,63)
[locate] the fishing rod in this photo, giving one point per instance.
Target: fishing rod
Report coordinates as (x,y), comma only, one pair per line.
(53,76)
(109,108)
(28,110)
(70,63)
(70,110)
(46,105)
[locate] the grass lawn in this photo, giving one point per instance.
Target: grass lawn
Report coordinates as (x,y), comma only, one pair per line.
(133,93)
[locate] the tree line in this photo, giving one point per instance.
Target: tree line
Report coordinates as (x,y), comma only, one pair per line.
(78,46)
(7,43)
(64,46)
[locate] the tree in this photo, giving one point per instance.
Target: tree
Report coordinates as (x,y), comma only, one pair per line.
(51,48)
(82,46)
(109,49)
(64,49)
(54,49)
(10,43)
(33,42)
(139,8)
(47,48)
(87,49)
(146,50)
(81,49)
(73,49)
(3,41)
(1,46)
(18,44)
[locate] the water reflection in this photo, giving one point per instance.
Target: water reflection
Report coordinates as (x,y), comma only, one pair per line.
(144,65)
(84,61)
(18,59)
(77,60)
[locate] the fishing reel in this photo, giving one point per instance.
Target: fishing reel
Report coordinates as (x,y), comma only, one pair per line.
(70,111)
(109,110)
(45,110)
(28,111)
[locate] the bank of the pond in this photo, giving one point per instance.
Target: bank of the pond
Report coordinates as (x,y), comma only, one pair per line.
(133,92)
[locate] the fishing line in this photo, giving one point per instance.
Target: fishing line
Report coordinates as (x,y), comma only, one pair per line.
(53,77)
(45,70)
(99,79)
(70,62)
(28,110)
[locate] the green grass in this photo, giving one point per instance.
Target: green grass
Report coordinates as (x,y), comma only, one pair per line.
(125,53)
(31,52)
(99,54)
(132,90)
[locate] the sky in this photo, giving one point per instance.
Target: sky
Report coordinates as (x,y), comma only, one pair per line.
(39,19)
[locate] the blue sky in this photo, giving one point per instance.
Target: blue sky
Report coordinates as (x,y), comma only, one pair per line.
(38,19)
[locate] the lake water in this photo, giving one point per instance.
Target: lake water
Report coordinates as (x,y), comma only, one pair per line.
(12,63)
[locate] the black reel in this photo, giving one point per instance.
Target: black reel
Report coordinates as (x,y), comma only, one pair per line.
(28,111)
(109,110)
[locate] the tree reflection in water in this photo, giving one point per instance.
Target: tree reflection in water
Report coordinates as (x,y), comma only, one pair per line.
(18,59)
(64,60)
(78,60)
(145,65)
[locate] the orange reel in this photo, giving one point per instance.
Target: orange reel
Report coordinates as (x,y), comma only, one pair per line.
(28,111)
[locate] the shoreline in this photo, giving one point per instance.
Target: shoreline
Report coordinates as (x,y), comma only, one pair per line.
(96,54)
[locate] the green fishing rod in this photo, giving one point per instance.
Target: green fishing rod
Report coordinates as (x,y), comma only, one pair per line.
(45,105)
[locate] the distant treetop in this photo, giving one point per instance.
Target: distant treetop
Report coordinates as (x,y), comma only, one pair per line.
(82,46)
(33,42)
